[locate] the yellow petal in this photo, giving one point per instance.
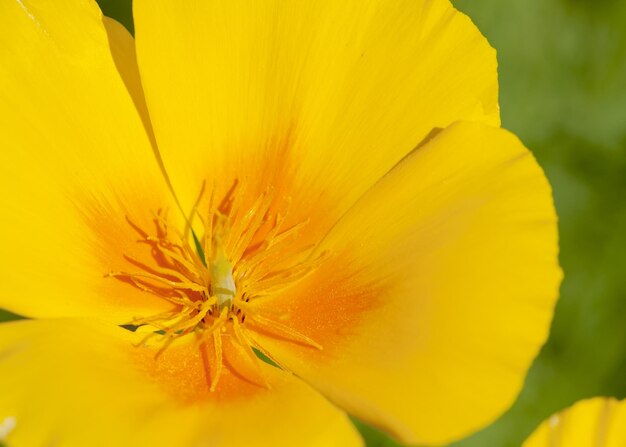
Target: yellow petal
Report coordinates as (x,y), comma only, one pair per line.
(322,96)
(76,383)
(597,422)
(122,47)
(76,162)
(437,293)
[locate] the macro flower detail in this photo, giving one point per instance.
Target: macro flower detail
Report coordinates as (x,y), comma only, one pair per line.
(596,422)
(257,217)
(213,286)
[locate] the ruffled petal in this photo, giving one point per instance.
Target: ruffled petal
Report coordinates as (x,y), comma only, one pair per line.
(314,99)
(437,291)
(77,165)
(77,382)
(597,422)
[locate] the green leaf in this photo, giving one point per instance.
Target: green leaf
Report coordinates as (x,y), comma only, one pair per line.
(5,315)
(120,10)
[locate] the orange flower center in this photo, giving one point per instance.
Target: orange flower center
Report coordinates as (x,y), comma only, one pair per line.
(245,254)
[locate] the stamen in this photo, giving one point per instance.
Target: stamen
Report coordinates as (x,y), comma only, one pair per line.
(251,266)
(278,328)
(167,271)
(219,323)
(194,209)
(274,282)
(243,341)
(190,323)
(243,255)
(191,267)
(208,226)
(169,282)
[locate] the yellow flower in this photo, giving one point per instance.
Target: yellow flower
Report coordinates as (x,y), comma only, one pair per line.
(597,422)
(345,203)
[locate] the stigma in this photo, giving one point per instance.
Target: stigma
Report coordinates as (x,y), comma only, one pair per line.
(221,273)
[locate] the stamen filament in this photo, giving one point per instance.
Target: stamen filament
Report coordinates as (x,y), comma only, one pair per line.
(281,329)
(175,256)
(251,224)
(173,284)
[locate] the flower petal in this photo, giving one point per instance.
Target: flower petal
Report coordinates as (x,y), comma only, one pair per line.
(597,422)
(323,96)
(438,291)
(122,46)
(67,381)
(76,162)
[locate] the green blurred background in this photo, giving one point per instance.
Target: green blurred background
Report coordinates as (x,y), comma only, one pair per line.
(563,92)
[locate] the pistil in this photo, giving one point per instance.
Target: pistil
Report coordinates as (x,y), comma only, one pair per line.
(222,282)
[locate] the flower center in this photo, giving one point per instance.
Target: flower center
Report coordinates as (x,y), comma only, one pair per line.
(245,254)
